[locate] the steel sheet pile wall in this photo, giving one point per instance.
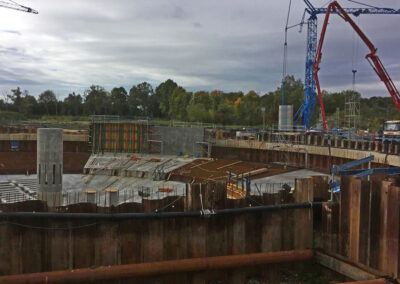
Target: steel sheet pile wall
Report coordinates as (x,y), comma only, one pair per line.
(91,243)
(364,227)
(119,137)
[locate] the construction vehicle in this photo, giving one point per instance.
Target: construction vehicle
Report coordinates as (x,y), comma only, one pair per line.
(391,130)
(372,58)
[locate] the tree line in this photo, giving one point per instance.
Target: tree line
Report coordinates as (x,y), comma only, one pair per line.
(171,101)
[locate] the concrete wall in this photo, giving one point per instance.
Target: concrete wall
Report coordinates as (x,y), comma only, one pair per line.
(180,139)
(50,159)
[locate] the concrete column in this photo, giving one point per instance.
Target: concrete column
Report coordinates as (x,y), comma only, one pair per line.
(49,162)
(90,196)
(112,196)
(309,140)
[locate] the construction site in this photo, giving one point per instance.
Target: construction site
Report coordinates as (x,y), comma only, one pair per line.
(134,201)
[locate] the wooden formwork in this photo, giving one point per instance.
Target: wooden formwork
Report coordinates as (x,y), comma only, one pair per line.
(363,226)
(84,243)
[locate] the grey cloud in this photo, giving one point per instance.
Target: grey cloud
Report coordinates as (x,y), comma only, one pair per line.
(228,45)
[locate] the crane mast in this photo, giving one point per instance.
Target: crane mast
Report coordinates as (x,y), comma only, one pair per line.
(372,58)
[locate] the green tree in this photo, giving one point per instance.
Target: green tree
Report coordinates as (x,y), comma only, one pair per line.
(119,99)
(138,99)
(178,102)
(28,105)
(225,112)
(16,99)
(162,95)
(48,101)
(249,109)
(97,100)
(72,104)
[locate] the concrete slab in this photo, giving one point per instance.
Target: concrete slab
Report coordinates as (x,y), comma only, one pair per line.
(134,165)
(274,183)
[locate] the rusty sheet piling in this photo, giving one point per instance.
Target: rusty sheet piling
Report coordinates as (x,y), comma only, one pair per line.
(373,281)
(86,275)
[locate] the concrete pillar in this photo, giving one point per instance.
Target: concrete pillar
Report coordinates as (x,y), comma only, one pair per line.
(49,162)
(90,196)
(112,196)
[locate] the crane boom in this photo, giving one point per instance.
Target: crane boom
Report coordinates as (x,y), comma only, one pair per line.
(306,111)
(15,6)
(372,58)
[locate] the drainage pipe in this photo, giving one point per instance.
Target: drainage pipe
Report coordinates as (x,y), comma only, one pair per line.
(87,275)
(156,215)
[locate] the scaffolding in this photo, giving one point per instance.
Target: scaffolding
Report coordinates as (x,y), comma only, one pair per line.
(352,107)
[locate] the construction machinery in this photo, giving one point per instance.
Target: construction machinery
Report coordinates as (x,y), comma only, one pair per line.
(391,130)
(372,58)
(306,111)
(15,6)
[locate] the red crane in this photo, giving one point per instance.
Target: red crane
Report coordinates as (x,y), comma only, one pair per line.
(372,58)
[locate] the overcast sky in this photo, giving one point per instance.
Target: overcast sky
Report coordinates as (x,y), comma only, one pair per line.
(228,45)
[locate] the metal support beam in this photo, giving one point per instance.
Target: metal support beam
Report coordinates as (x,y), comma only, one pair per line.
(87,275)
(336,169)
(364,173)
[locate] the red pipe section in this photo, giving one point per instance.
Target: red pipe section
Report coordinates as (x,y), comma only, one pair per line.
(86,275)
(373,281)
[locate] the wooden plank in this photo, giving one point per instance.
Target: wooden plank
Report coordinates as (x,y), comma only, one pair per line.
(335,227)
(107,245)
(383,249)
(171,246)
(288,221)
(304,192)
(58,247)
(326,227)
(216,244)
(152,241)
(344,225)
(364,228)
(130,232)
(196,241)
(342,267)
(393,231)
(253,237)
(320,184)
(355,193)
(271,226)
(375,224)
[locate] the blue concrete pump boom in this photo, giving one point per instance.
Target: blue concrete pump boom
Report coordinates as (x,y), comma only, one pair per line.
(306,111)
